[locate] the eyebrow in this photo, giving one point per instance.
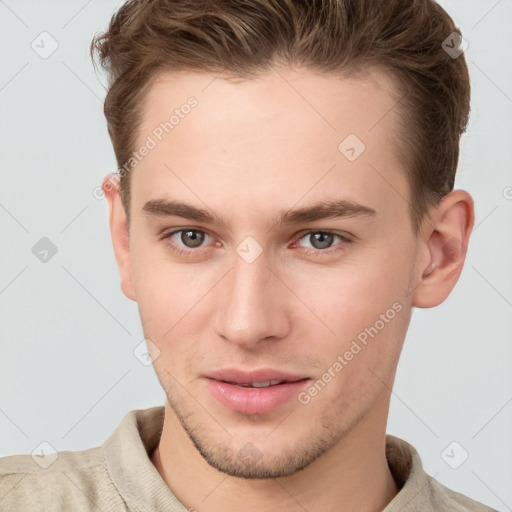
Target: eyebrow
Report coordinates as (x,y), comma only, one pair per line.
(322,210)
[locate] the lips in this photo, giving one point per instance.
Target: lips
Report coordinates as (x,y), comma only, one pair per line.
(254,392)
(240,377)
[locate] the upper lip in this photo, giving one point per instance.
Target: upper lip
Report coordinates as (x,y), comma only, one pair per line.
(237,376)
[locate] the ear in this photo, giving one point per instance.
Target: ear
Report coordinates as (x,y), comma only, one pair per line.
(444,238)
(119,232)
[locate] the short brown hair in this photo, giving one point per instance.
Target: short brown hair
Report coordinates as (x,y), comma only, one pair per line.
(244,38)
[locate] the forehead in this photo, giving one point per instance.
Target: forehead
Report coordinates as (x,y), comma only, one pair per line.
(278,133)
(278,98)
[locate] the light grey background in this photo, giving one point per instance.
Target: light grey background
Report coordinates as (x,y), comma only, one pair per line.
(67,333)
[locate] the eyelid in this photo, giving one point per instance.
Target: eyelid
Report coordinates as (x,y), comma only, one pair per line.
(168,233)
(171,231)
(345,239)
(343,235)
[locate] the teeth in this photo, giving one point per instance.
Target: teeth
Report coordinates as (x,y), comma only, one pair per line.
(262,384)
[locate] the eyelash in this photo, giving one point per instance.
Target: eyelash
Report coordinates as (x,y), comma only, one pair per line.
(316,252)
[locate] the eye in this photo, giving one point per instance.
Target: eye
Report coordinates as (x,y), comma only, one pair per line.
(185,240)
(322,241)
(189,240)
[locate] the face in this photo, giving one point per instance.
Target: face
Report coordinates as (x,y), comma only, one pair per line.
(265,277)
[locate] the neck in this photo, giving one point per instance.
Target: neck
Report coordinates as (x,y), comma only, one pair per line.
(338,479)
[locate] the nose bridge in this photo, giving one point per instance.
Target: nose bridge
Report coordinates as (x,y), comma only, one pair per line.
(252,306)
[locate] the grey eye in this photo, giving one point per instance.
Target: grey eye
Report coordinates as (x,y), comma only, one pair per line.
(192,238)
(320,239)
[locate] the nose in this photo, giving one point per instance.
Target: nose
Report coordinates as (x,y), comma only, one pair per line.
(253,304)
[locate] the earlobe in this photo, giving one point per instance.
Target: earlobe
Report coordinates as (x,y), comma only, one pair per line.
(446,238)
(120,233)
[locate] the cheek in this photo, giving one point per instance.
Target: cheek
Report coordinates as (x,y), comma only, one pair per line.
(347,298)
(369,317)
(366,306)
(352,296)
(163,292)
(173,303)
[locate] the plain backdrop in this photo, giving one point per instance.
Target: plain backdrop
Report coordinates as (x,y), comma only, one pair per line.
(67,333)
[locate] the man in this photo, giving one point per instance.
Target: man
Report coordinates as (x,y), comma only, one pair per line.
(279,212)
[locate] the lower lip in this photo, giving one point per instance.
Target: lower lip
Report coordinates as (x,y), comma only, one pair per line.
(254,400)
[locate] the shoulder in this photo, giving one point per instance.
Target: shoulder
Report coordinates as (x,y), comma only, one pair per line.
(99,478)
(75,480)
(444,498)
(419,490)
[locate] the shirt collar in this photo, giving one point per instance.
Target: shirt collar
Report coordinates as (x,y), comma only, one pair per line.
(127,456)
(128,450)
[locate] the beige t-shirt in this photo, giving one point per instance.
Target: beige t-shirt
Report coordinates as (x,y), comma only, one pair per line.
(119,476)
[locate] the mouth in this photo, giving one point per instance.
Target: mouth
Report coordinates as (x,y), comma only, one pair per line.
(257,378)
(265,384)
(249,395)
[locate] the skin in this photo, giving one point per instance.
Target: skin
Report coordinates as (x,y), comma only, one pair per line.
(248,151)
